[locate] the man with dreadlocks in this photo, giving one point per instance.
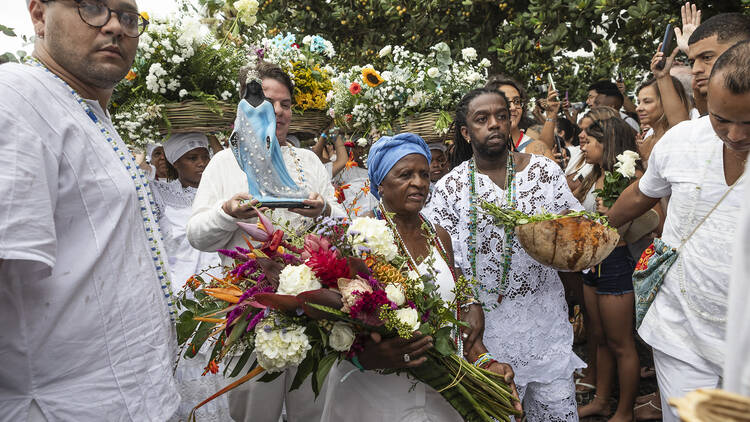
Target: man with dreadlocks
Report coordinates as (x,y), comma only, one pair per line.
(527,317)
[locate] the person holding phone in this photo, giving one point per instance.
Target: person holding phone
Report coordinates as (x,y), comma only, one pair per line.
(222,200)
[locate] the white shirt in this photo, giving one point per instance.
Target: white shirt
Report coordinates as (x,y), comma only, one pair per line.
(688,317)
(530,328)
(85,327)
(210,228)
(357,198)
(737,365)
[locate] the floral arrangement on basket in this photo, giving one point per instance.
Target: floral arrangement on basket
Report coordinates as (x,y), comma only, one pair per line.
(615,182)
(181,79)
(407,83)
(310,301)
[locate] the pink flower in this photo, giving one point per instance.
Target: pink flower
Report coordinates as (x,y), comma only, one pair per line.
(325,261)
(347,287)
(367,307)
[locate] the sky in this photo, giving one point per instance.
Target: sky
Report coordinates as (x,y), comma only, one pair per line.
(16,16)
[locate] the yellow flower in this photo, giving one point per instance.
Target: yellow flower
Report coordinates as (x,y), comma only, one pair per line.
(371,77)
(144,15)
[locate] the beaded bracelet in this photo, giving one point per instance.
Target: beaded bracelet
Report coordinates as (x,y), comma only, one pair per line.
(483,359)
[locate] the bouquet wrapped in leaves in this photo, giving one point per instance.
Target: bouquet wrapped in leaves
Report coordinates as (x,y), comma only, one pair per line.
(311,300)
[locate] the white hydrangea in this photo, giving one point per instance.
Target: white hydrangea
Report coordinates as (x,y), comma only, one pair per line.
(183,92)
(278,348)
(247,9)
(295,279)
(341,337)
(373,234)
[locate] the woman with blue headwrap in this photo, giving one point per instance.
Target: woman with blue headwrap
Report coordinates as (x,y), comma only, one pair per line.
(399,171)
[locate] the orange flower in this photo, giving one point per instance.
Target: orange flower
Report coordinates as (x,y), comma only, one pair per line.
(131,75)
(212,366)
(350,164)
(193,282)
(366,189)
(355,88)
(356,210)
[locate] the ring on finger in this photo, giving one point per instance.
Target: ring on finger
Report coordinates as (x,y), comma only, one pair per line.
(464,336)
(407,358)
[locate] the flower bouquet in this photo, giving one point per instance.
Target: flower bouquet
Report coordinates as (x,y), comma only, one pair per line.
(616,181)
(182,80)
(310,301)
(570,242)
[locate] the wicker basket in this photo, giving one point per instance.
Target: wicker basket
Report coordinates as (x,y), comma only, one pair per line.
(712,406)
(195,116)
(310,122)
(568,243)
(423,124)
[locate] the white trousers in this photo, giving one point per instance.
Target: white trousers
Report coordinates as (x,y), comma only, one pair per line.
(677,378)
(256,401)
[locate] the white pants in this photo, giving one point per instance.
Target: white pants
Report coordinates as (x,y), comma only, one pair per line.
(256,401)
(677,378)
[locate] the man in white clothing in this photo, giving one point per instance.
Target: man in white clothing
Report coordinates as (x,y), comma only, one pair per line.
(223,199)
(700,163)
(85,300)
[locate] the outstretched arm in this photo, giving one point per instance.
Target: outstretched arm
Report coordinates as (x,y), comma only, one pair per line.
(631,204)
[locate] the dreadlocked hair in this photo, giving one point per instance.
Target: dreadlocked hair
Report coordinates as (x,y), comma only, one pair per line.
(461,148)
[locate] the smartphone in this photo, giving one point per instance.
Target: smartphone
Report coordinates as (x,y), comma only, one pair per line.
(551,82)
(619,77)
(665,47)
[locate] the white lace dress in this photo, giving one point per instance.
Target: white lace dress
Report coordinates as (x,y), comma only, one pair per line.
(530,328)
(173,209)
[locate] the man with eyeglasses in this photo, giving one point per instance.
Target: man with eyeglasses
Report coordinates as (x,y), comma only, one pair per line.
(85,301)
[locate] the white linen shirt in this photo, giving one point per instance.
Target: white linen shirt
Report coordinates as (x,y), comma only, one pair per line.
(210,228)
(85,328)
(688,317)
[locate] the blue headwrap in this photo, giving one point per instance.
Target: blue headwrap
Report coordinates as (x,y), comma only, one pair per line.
(387,151)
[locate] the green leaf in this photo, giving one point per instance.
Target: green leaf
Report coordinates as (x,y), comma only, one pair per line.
(200,337)
(186,326)
(270,376)
(7,31)
(322,372)
(241,362)
(304,370)
(443,341)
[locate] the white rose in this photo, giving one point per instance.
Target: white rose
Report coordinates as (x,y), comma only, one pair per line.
(469,54)
(626,169)
(295,279)
(408,316)
(632,154)
(433,72)
(385,51)
(341,337)
(395,294)
(484,63)
(362,142)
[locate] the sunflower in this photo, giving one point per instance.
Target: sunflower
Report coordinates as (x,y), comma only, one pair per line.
(371,77)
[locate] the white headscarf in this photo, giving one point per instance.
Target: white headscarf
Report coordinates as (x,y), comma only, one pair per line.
(179,144)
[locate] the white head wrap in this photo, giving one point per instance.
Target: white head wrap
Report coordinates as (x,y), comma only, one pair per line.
(179,144)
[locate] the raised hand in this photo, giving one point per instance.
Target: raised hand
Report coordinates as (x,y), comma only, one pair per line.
(691,19)
(664,72)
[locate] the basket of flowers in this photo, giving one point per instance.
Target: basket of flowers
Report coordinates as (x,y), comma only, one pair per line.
(570,242)
(312,79)
(411,92)
(182,80)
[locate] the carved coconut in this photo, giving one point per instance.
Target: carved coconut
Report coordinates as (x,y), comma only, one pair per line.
(568,243)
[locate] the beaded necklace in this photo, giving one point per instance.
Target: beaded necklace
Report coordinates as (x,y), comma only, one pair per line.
(510,190)
(145,198)
(433,238)
(298,164)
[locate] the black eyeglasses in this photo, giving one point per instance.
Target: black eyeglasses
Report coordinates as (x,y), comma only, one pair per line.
(96,14)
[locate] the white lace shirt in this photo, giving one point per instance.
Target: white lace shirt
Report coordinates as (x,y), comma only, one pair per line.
(530,328)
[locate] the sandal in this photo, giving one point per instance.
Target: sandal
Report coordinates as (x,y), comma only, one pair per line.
(645,398)
(647,411)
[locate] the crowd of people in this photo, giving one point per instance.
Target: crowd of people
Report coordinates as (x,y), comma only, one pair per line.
(95,243)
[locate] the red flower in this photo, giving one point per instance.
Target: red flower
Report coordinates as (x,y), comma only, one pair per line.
(325,262)
(367,308)
(348,117)
(211,367)
(339,193)
(355,88)
(295,45)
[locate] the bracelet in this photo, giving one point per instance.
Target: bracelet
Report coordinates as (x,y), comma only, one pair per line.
(325,205)
(550,120)
(488,363)
(483,359)
(355,361)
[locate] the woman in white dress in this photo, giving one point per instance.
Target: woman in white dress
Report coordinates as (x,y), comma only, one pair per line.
(399,170)
(188,154)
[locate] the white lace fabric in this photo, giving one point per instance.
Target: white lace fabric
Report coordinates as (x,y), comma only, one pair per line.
(530,328)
